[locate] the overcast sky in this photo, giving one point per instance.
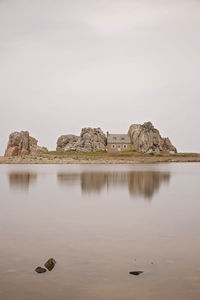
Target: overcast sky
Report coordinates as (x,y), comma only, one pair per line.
(68,64)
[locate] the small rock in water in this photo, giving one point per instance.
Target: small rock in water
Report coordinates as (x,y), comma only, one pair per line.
(50,264)
(136,272)
(40,270)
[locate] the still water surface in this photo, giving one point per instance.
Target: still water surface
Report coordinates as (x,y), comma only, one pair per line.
(100,222)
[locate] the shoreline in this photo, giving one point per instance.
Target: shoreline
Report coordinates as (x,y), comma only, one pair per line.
(100,158)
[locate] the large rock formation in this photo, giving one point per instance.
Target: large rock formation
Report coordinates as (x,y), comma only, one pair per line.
(90,140)
(66,142)
(145,138)
(21,143)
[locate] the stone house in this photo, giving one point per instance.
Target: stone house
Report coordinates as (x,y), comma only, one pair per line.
(118,142)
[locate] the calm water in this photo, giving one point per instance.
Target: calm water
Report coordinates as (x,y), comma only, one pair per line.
(99,223)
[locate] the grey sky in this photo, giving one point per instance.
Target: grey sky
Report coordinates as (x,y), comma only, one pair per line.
(65,65)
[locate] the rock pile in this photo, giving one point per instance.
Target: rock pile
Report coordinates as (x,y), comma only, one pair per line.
(90,140)
(21,143)
(145,138)
(49,265)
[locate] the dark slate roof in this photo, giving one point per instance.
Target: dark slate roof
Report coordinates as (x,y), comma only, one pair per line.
(118,139)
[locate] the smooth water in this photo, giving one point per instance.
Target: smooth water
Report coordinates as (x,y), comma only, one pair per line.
(99,222)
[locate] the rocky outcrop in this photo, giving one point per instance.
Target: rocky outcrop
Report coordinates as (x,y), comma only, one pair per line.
(34,148)
(146,138)
(66,142)
(90,140)
(21,143)
(18,144)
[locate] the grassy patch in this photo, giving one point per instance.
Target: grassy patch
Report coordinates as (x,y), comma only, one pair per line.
(101,151)
(152,153)
(53,152)
(131,150)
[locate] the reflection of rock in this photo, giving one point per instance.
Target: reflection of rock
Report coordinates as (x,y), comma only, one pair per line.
(90,140)
(93,182)
(139,183)
(145,138)
(90,182)
(21,180)
(21,143)
(50,264)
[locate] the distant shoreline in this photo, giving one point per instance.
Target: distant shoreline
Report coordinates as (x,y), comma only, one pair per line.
(100,158)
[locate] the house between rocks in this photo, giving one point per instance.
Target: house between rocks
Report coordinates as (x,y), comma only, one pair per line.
(118,142)
(141,138)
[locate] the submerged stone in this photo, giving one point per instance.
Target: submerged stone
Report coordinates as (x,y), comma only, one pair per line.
(136,272)
(50,264)
(40,270)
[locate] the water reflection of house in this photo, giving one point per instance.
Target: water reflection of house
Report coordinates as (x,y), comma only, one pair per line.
(139,183)
(146,183)
(118,142)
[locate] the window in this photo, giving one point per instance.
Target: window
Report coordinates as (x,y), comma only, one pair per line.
(122,138)
(113,146)
(125,146)
(119,146)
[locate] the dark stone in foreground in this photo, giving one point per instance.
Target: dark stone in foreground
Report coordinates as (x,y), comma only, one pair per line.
(40,270)
(50,264)
(136,272)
